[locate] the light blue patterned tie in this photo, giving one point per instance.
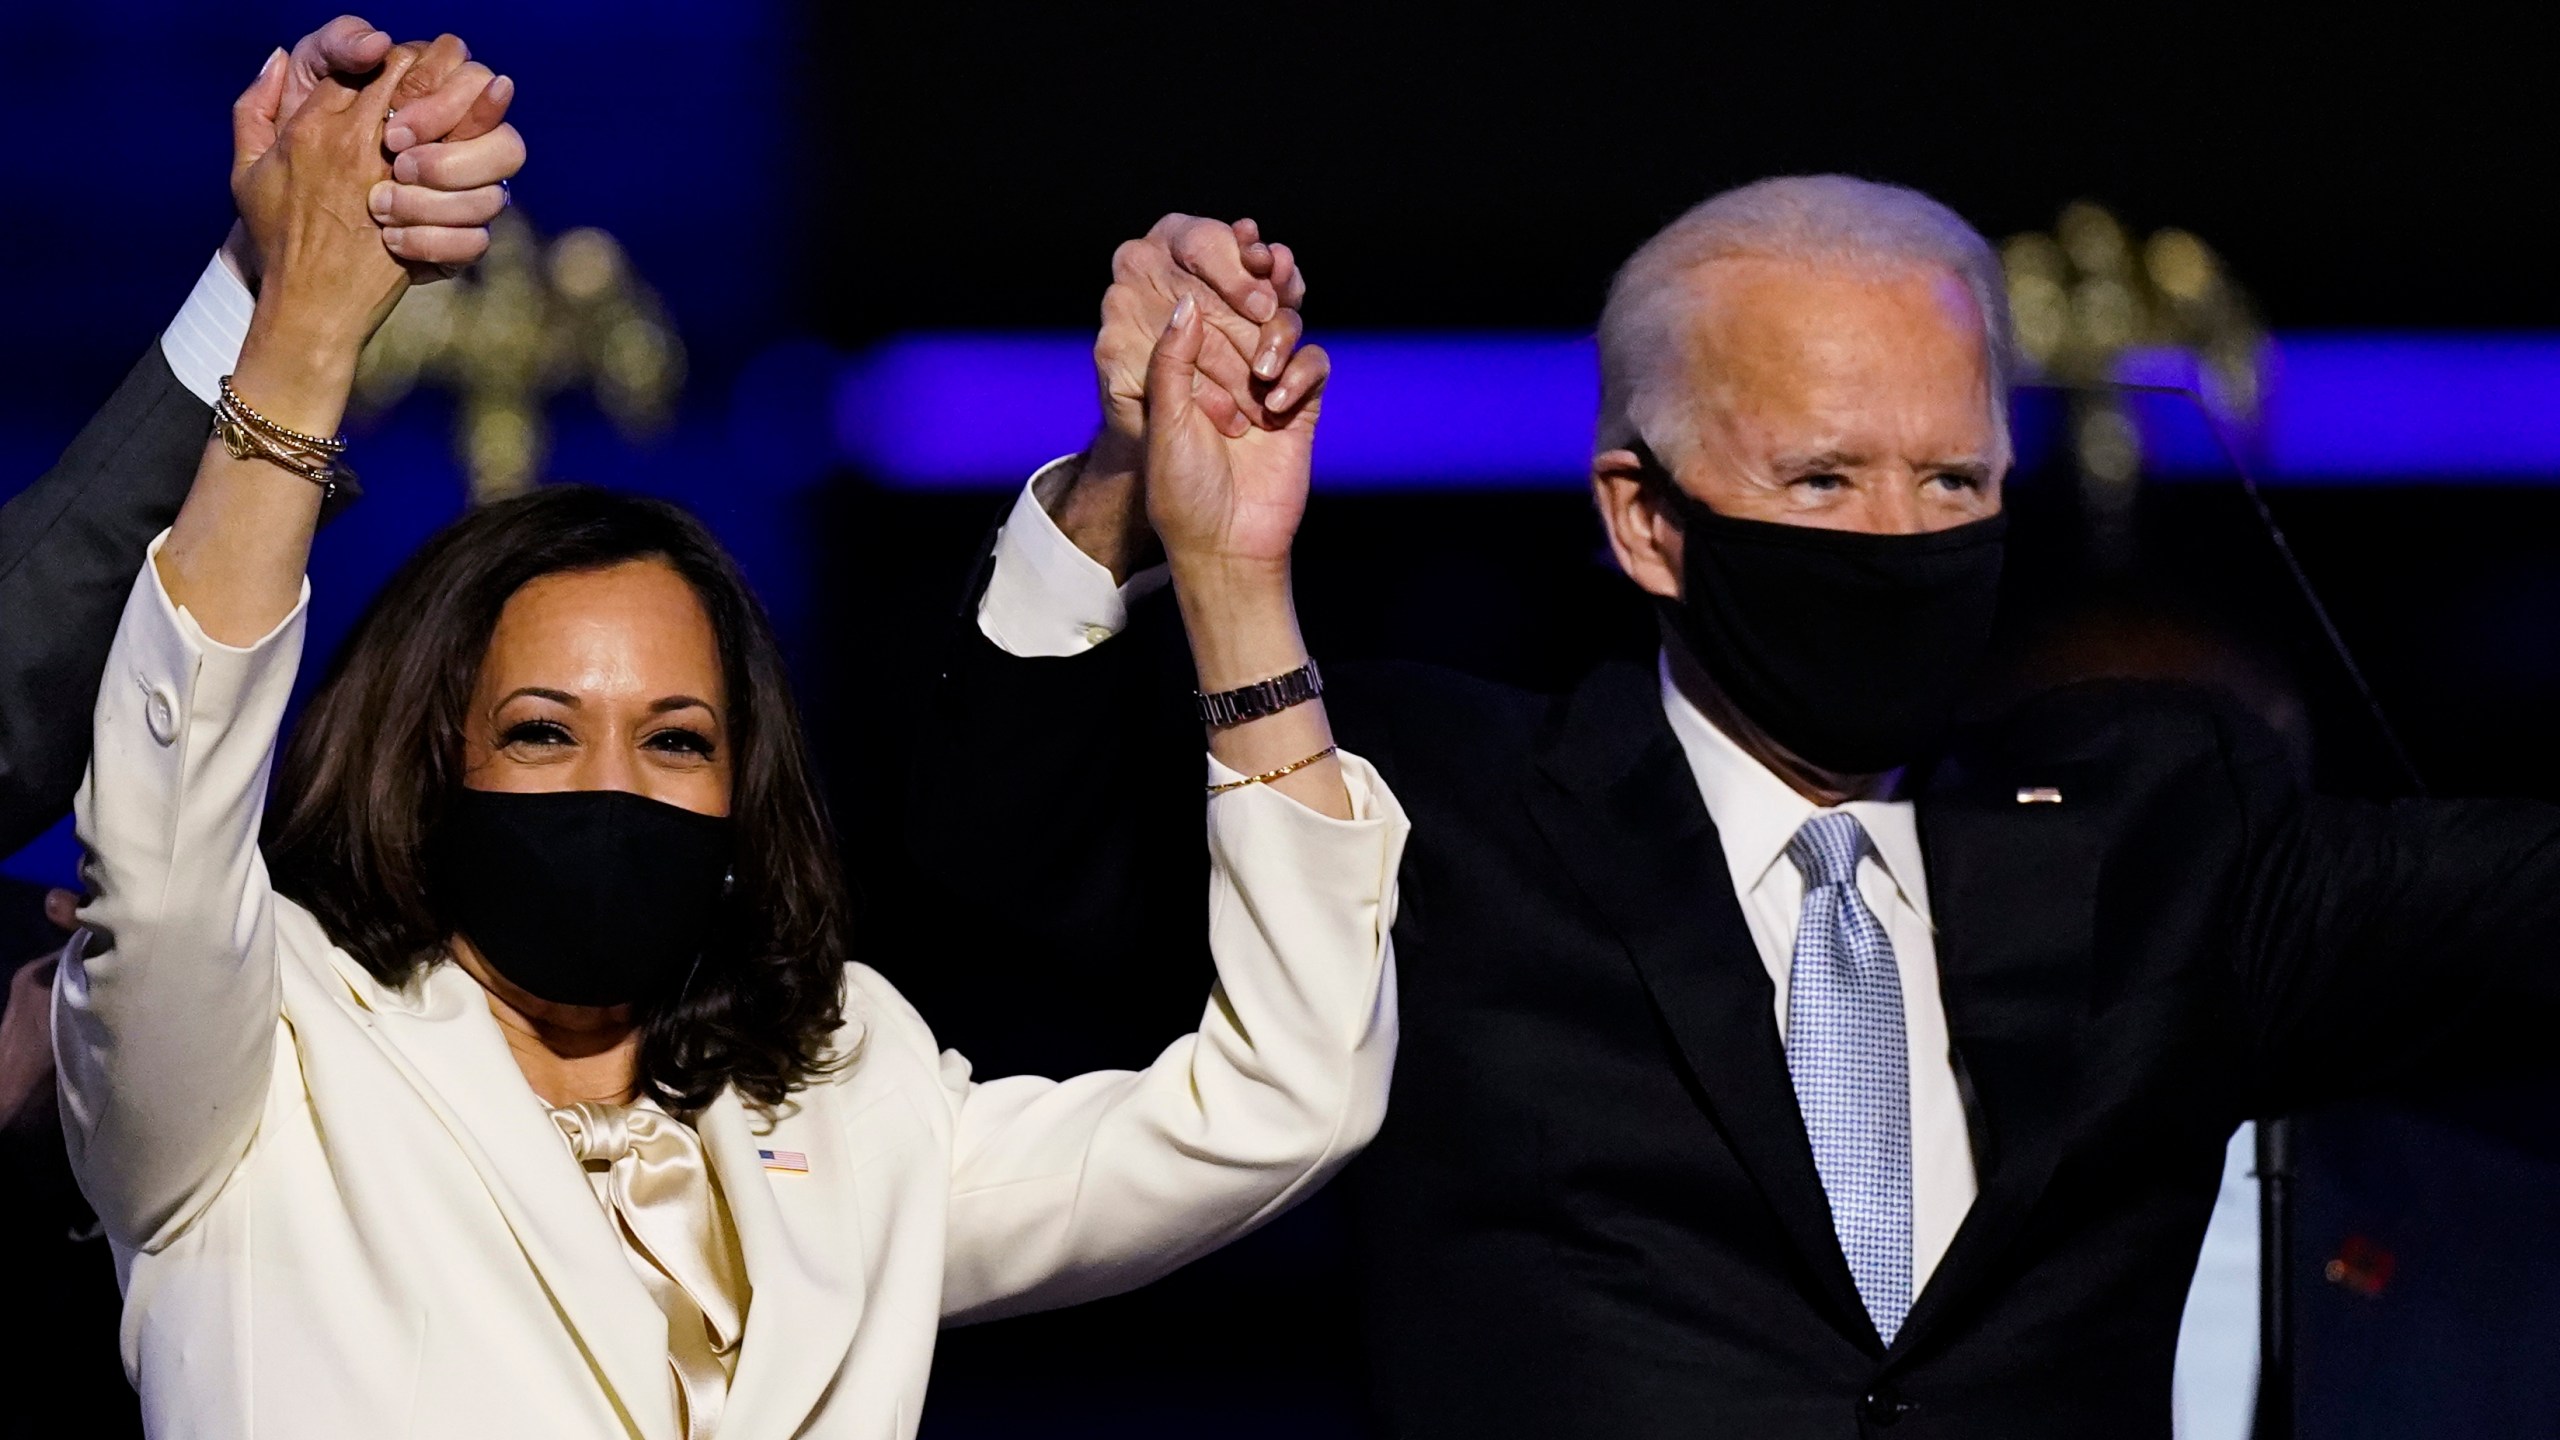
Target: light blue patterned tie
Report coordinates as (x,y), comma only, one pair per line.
(1845,1054)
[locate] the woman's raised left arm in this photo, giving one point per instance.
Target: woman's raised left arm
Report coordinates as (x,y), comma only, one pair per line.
(1064,1191)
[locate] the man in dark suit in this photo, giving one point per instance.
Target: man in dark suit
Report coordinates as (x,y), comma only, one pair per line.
(1778,1059)
(70,547)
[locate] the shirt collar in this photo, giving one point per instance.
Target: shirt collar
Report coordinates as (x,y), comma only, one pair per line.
(1756,814)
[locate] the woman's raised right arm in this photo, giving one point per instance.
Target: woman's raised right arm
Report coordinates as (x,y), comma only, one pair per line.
(167,1022)
(234,559)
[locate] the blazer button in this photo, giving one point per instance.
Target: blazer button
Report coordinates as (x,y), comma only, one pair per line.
(161,714)
(1881,1406)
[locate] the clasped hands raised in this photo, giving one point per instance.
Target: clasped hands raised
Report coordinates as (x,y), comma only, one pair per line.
(1209,404)
(361,166)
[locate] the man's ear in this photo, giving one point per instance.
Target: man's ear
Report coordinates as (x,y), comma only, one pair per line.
(1642,532)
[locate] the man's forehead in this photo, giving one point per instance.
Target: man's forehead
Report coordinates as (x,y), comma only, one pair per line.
(1757,299)
(1831,336)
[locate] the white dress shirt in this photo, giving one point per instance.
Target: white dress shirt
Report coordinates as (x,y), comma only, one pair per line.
(1756,814)
(203,343)
(1046,598)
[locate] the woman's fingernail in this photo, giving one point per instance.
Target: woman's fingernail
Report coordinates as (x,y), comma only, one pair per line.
(1267,364)
(405,169)
(501,90)
(1260,307)
(1182,312)
(398,138)
(274,59)
(378,200)
(1277,400)
(393,237)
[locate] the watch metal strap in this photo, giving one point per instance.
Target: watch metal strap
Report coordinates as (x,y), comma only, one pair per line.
(1263,697)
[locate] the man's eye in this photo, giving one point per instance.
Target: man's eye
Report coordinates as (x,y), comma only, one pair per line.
(534,732)
(1958,480)
(1825,480)
(689,742)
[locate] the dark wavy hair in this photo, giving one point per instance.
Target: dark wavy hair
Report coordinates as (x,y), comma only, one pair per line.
(365,778)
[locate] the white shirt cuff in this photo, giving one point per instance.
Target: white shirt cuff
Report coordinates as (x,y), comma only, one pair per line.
(1047,597)
(203,344)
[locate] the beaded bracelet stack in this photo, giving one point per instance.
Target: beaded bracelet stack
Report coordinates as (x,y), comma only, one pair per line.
(249,435)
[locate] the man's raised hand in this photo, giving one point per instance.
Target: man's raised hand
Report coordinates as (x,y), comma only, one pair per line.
(455,154)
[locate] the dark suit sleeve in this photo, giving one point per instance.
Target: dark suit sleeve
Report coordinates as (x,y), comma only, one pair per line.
(2390,947)
(1055,802)
(70,545)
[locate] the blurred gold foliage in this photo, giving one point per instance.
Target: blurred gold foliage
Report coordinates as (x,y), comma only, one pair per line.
(530,321)
(2088,292)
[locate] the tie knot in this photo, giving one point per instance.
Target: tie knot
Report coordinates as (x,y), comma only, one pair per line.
(1828,849)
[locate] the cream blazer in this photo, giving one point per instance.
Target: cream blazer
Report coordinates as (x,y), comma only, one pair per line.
(338,1210)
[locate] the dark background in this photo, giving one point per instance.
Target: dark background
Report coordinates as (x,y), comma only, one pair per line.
(1476,166)
(846,172)
(802,180)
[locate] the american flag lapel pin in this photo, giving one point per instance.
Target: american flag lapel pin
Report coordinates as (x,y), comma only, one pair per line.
(788,1161)
(2039,795)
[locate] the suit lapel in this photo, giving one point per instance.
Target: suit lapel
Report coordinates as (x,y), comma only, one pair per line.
(451,1048)
(1621,808)
(2013,888)
(800,1232)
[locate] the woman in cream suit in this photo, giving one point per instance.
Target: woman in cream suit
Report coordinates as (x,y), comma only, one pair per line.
(532,1092)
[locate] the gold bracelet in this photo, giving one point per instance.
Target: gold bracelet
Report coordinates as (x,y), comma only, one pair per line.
(248,435)
(327,445)
(1267,776)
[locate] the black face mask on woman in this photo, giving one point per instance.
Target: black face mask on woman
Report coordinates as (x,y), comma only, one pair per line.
(1849,649)
(581,897)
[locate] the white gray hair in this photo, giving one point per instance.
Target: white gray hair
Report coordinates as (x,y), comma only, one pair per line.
(1644,385)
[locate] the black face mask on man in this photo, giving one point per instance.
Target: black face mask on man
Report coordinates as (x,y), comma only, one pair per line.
(581,897)
(1851,650)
